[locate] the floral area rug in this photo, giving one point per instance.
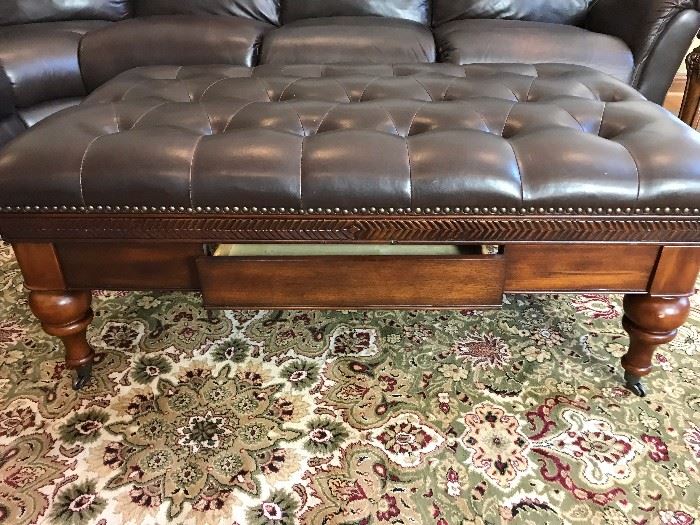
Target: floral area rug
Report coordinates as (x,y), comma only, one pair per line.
(512,416)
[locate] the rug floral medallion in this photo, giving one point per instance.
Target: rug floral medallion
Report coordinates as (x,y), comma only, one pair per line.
(277,418)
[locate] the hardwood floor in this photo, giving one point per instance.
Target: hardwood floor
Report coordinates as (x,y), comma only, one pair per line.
(675,95)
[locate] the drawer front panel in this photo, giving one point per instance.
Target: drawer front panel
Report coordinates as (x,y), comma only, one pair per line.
(130,266)
(579,268)
(352,282)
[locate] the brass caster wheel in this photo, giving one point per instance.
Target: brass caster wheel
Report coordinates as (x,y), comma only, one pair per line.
(634,384)
(82,377)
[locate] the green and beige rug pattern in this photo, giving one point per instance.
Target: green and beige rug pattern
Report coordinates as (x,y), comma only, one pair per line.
(446,418)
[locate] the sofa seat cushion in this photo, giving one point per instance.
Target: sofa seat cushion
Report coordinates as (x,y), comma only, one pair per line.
(349,39)
(74,26)
(349,137)
(489,41)
(41,60)
(28,11)
(176,39)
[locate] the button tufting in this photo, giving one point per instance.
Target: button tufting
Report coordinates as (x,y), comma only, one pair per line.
(347,141)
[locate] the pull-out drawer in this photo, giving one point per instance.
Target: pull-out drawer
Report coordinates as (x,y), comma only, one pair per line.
(353,281)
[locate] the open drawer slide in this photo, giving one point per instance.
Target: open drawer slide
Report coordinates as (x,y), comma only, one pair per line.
(352,281)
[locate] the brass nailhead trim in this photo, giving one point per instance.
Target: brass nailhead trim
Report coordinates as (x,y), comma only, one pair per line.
(354,211)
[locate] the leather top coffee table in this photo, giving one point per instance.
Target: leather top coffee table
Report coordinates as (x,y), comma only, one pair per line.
(581,183)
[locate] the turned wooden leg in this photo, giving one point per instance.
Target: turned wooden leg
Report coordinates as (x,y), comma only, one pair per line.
(691,99)
(650,322)
(67,315)
(64,314)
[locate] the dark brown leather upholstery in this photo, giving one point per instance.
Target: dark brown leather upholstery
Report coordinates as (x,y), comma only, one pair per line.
(35,114)
(39,56)
(645,26)
(41,60)
(655,76)
(26,11)
(79,27)
(10,127)
(476,41)
(416,10)
(180,40)
(7,97)
(555,11)
(263,10)
(334,40)
(10,124)
(357,136)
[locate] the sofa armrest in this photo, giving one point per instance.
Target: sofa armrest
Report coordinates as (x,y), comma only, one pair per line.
(10,123)
(7,97)
(659,33)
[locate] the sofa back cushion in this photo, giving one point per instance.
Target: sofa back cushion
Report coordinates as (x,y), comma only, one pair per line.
(169,40)
(555,11)
(263,10)
(416,10)
(27,11)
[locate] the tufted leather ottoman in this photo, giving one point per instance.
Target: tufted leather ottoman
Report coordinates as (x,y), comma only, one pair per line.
(582,184)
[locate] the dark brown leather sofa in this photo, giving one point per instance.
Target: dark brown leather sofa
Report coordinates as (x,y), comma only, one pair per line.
(54,52)
(525,129)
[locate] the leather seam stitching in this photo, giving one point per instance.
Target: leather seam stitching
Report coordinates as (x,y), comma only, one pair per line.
(194,153)
(204,93)
(301,173)
(413,119)
(578,123)
(515,155)
(520,173)
(417,81)
(87,149)
(410,172)
(303,129)
(347,95)
(325,116)
(590,90)
(602,118)
(265,86)
(450,84)
(136,85)
(147,112)
(505,122)
(529,90)
(236,113)
(482,119)
(82,165)
(284,91)
(369,84)
(393,122)
(206,114)
(636,166)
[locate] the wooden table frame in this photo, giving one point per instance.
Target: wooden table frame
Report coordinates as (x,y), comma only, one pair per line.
(653,259)
(657,277)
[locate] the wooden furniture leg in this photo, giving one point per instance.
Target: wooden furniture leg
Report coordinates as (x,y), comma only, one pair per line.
(67,316)
(653,319)
(650,322)
(690,108)
(63,313)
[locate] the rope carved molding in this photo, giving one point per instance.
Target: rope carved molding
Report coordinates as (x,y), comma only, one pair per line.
(476,228)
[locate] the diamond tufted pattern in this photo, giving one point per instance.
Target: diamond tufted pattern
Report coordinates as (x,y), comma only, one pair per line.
(419,135)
